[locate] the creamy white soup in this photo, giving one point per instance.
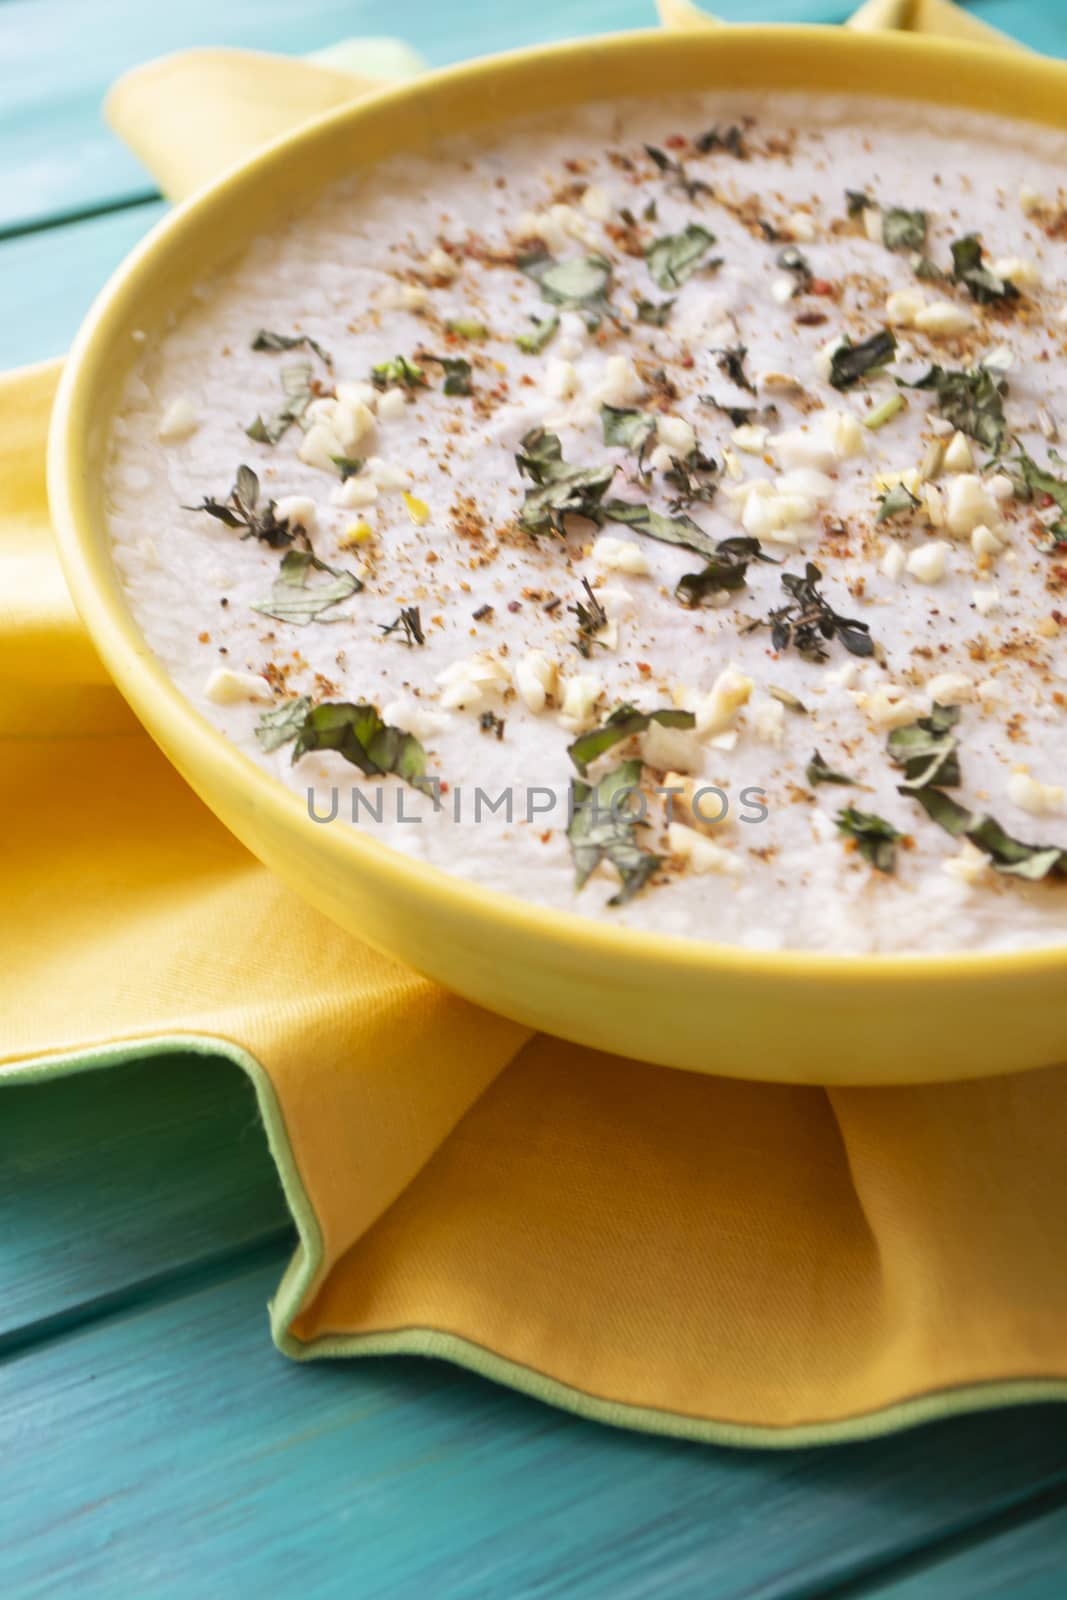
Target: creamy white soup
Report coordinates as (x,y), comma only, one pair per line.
(654,512)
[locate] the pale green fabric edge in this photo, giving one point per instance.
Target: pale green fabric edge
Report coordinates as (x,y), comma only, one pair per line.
(433,1342)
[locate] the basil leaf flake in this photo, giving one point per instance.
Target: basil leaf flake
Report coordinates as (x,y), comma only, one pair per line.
(265,340)
(282,723)
(850,362)
(675,257)
(927,750)
(1009,856)
(972,401)
(655,313)
(903,229)
(818,772)
(296,387)
(680,530)
(542,331)
(895,501)
(400,373)
(580,283)
(292,600)
(604,827)
(875,838)
(627,428)
(984,284)
(726,569)
(357,732)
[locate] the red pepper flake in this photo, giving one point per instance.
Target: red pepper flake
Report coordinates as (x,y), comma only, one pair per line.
(820,286)
(676,141)
(205,638)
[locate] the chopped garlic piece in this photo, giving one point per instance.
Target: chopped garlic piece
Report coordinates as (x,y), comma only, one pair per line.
(1029,794)
(469,683)
(227,688)
(933,504)
(893,562)
(903,306)
(749,438)
(391,407)
(767,718)
(968,503)
(700,853)
(355,491)
(353,394)
(970,867)
(986,600)
(664,748)
(561,379)
(927,563)
(677,433)
(298,509)
(1023,274)
(412,717)
(535,679)
(440,264)
(888,706)
(697,803)
(958,457)
(336,430)
(717,710)
(802,226)
(387,475)
(984,541)
(403,297)
(805,447)
(1031,200)
(178,421)
(620,555)
(620,384)
(596,202)
(872,224)
(580,694)
(943,319)
(950,689)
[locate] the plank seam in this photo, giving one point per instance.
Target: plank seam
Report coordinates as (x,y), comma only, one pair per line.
(175,1284)
(878,1577)
(64,219)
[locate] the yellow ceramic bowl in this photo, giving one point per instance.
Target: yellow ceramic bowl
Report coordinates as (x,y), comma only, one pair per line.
(875,1020)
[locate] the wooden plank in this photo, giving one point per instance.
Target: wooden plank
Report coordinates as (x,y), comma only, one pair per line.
(1027,1561)
(117,1183)
(172,1452)
(55,154)
(48,280)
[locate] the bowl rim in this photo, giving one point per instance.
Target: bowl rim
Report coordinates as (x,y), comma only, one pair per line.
(84,547)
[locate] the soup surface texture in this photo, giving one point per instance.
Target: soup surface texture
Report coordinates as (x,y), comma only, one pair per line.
(655,513)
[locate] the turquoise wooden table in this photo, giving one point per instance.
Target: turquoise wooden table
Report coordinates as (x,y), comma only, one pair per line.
(152,1442)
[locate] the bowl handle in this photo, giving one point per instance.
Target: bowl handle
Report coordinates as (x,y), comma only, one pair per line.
(191,116)
(936,17)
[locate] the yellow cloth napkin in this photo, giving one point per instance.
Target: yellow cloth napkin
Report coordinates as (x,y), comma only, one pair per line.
(741,1263)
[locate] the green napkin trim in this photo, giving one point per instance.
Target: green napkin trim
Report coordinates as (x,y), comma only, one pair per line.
(307,1259)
